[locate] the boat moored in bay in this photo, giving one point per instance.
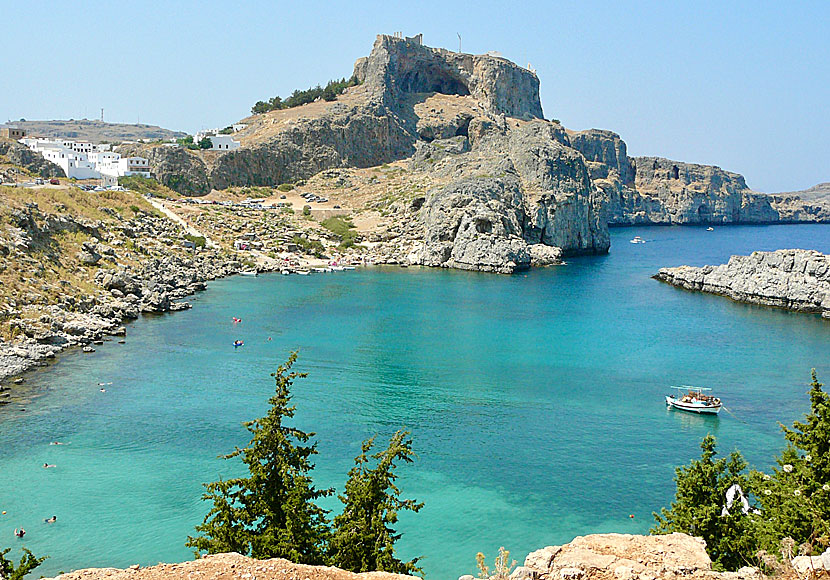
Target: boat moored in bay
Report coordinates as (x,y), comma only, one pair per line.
(694,400)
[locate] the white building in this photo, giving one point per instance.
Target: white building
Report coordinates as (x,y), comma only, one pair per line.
(220,142)
(83,160)
(223,143)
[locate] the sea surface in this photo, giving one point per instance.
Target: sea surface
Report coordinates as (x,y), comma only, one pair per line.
(535,400)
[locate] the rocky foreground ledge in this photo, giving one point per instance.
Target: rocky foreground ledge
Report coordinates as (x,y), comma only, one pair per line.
(797,280)
(594,557)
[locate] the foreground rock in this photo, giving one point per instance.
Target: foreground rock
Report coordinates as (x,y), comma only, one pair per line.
(227,567)
(626,557)
(796,280)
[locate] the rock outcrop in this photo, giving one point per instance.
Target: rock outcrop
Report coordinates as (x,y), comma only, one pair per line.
(399,67)
(227,567)
(179,169)
(796,280)
(626,557)
(18,154)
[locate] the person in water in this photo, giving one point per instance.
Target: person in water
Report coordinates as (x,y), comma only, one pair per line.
(51,520)
(19,533)
(48,465)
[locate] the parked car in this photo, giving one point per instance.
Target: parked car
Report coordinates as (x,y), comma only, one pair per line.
(38,181)
(55,181)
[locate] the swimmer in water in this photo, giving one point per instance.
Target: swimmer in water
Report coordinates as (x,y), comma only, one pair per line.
(103,390)
(51,520)
(19,533)
(56,443)
(48,465)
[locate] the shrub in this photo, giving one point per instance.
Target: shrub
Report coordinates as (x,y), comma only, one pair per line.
(285,187)
(698,507)
(205,143)
(314,247)
(28,562)
(306,210)
(198,241)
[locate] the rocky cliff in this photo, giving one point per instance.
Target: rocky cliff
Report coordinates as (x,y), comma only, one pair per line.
(796,280)
(18,154)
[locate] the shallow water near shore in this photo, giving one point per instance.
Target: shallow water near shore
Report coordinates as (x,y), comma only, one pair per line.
(535,400)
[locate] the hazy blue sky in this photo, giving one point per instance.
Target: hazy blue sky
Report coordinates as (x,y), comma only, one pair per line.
(743,85)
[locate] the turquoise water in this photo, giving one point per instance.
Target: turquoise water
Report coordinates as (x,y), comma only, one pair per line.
(535,400)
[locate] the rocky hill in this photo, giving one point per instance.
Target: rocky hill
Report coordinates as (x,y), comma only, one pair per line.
(494,186)
(817,193)
(97,131)
(15,156)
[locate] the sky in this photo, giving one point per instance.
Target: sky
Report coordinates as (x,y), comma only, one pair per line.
(741,85)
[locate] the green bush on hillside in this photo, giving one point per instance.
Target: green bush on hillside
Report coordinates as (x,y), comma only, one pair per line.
(298,97)
(285,187)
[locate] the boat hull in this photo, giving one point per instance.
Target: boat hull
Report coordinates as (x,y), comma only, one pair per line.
(693,407)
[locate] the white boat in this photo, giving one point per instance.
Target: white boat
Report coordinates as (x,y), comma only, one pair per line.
(337,268)
(348,267)
(637,240)
(248,273)
(710,229)
(694,400)
(302,272)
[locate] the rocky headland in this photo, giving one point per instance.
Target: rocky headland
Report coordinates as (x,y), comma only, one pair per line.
(492,185)
(797,280)
(594,557)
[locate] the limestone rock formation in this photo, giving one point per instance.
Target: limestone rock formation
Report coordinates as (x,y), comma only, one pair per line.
(179,169)
(19,154)
(398,67)
(796,280)
(227,567)
(626,557)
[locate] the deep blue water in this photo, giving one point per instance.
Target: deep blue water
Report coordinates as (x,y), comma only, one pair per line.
(535,400)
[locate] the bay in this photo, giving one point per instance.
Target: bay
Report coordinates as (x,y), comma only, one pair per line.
(535,400)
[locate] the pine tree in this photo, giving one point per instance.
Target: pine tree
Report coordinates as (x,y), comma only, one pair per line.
(28,562)
(795,498)
(271,513)
(363,539)
(699,502)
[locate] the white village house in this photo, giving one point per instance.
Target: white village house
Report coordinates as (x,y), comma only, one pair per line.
(83,160)
(220,142)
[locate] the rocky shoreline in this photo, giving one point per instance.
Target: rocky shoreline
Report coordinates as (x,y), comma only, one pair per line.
(797,280)
(137,266)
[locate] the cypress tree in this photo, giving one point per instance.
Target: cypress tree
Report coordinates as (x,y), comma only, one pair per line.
(363,539)
(271,513)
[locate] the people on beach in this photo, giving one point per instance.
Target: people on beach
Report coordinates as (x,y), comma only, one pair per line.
(19,533)
(51,520)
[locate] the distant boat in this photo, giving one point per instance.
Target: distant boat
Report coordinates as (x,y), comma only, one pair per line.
(637,240)
(710,229)
(694,400)
(248,273)
(303,272)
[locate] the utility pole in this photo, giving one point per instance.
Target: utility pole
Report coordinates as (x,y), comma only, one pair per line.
(102,114)
(459,42)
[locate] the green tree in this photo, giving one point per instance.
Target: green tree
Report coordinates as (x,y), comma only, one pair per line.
(272,512)
(363,539)
(795,498)
(205,143)
(28,562)
(699,503)
(260,107)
